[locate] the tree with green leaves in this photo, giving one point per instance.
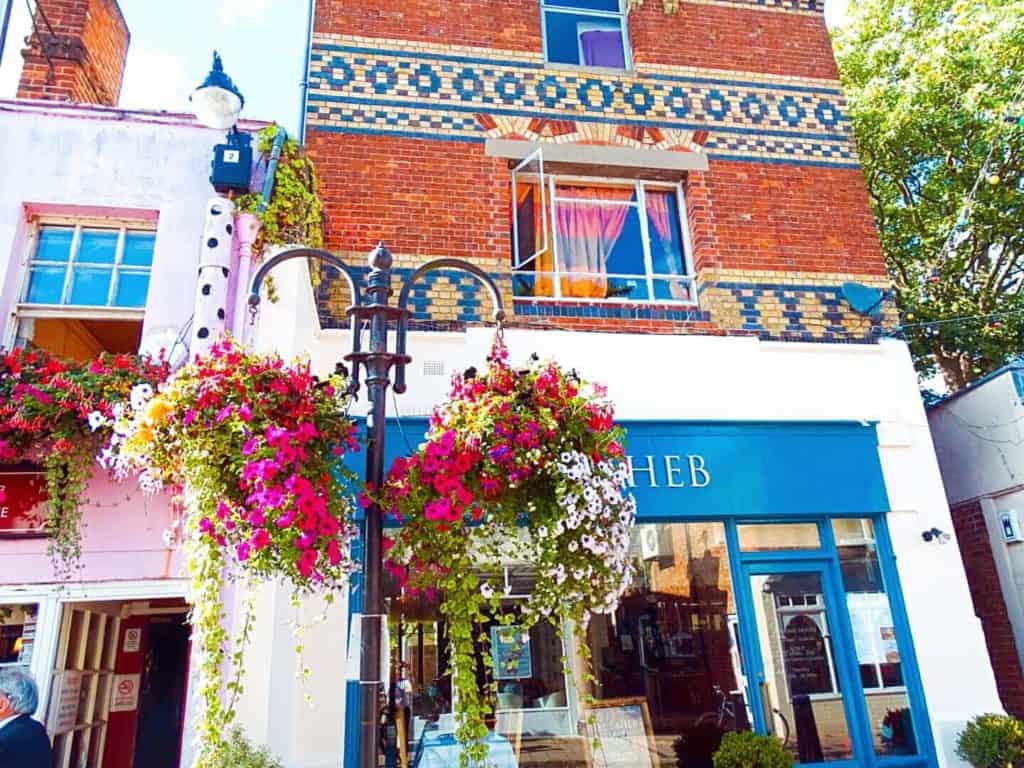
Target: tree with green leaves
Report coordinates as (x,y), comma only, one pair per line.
(936,96)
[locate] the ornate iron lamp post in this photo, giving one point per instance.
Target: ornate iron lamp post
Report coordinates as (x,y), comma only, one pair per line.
(377,363)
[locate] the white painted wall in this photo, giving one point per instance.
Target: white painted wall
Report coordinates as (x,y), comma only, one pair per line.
(736,379)
(100,157)
(979,440)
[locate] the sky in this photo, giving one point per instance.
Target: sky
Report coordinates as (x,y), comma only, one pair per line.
(262,43)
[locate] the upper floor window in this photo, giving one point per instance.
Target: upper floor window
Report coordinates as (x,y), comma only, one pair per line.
(587,32)
(599,240)
(77,264)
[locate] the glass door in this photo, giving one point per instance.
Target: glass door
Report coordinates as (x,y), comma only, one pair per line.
(799,665)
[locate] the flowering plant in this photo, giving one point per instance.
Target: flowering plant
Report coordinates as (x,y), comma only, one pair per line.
(45,407)
(520,464)
(256,445)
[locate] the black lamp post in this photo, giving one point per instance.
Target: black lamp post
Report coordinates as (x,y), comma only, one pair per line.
(377,363)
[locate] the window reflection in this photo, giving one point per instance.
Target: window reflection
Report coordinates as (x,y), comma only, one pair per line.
(673,642)
(874,636)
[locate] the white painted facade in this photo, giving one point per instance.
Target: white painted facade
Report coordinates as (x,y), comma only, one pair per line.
(699,378)
(979,441)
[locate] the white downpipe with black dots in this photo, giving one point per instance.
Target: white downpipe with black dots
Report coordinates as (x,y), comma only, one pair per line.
(211,317)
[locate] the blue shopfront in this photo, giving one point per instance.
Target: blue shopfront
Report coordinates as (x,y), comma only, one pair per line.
(765,598)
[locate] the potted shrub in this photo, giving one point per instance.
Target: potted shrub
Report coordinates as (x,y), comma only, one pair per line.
(992,741)
(749,750)
(241,754)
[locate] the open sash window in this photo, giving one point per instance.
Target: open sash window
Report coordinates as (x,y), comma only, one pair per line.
(596,240)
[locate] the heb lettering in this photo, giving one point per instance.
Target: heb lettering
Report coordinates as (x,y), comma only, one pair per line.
(669,471)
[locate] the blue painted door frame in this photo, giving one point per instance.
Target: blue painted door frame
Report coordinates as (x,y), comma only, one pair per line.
(825,561)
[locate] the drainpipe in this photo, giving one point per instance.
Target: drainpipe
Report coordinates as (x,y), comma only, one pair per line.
(248,229)
(304,87)
(5,24)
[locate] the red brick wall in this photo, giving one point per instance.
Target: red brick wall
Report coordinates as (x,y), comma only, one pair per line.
(756,216)
(989,604)
(697,36)
(86,41)
(447,198)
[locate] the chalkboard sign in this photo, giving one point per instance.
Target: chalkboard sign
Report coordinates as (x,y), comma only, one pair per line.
(620,734)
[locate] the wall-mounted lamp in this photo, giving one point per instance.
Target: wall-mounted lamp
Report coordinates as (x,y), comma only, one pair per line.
(217,103)
(934,534)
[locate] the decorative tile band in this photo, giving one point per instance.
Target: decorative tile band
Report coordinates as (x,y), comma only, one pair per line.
(794,306)
(404,88)
(770,305)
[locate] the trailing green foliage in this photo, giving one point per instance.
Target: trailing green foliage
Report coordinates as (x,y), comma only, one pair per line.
(294,213)
(749,750)
(241,754)
(936,95)
(992,741)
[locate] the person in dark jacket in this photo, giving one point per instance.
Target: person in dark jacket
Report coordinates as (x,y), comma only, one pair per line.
(23,741)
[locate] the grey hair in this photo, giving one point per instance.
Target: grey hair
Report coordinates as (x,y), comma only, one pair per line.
(20,689)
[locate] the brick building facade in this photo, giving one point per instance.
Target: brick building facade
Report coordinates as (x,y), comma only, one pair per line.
(406,100)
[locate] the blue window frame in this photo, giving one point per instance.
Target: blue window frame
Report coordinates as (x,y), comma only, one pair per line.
(81,265)
(590,33)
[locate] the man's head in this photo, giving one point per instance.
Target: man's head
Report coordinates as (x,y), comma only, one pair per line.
(18,693)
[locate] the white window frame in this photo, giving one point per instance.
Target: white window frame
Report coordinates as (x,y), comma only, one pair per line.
(63,308)
(640,186)
(620,15)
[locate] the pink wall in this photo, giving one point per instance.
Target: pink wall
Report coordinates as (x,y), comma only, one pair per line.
(122,538)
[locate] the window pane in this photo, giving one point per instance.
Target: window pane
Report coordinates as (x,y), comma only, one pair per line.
(54,243)
(769,537)
(90,286)
(97,246)
(45,285)
(581,39)
(673,642)
(597,242)
(663,229)
(138,249)
(801,686)
(17,633)
(132,288)
(874,635)
(674,290)
(589,5)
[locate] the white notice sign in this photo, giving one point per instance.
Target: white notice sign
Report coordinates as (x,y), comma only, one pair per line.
(132,640)
(64,709)
(124,696)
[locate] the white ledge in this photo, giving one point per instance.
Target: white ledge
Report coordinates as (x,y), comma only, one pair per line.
(655,160)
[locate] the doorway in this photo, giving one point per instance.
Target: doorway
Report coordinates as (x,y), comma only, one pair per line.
(162,694)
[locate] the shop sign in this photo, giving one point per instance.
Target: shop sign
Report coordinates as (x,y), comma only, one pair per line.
(68,685)
(23,507)
(124,696)
(723,469)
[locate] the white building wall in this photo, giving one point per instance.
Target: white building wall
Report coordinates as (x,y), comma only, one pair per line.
(744,379)
(101,159)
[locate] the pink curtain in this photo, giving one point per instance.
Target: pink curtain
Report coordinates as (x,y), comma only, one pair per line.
(658,202)
(585,234)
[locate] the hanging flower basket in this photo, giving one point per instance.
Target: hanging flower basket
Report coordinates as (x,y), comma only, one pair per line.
(522,464)
(256,445)
(52,413)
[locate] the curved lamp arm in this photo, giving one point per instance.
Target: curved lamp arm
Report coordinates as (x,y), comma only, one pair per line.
(309,253)
(403,300)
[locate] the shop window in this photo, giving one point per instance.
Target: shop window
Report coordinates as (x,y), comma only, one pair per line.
(583,241)
(78,338)
(590,33)
(673,642)
(770,537)
(874,633)
(17,634)
(87,266)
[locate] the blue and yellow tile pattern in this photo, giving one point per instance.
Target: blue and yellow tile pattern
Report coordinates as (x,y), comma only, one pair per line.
(360,85)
